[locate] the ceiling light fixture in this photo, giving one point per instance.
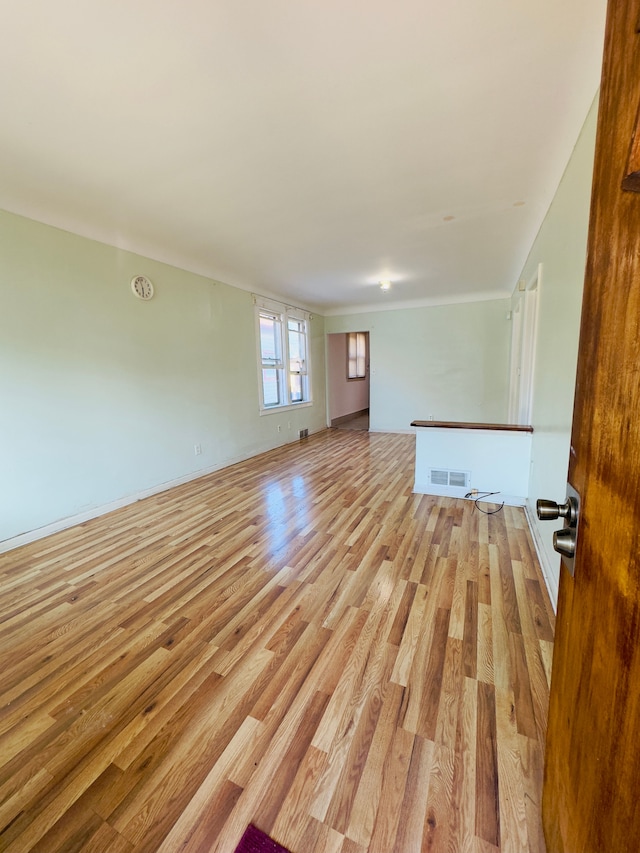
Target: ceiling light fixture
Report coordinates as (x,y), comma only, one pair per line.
(385,285)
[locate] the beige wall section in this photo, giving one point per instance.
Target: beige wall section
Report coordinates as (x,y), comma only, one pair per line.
(104,396)
(345,397)
(449,361)
(560,247)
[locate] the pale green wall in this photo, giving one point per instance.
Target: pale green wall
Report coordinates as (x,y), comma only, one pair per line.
(103,396)
(561,249)
(449,361)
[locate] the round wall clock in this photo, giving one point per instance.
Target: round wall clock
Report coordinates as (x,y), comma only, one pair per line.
(142,287)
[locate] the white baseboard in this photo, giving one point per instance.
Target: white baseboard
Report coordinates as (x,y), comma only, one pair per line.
(103,509)
(543,557)
(462,491)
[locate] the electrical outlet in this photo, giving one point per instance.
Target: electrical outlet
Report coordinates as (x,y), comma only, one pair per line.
(430,417)
(473,492)
(197,449)
(279,428)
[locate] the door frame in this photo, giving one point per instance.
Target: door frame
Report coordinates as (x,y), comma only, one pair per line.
(524,333)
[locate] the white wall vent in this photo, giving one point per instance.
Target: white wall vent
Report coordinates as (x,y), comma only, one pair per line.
(445,477)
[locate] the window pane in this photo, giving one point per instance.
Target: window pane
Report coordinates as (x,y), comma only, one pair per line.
(356,355)
(295,387)
(353,348)
(270,388)
(361,354)
(297,346)
(269,339)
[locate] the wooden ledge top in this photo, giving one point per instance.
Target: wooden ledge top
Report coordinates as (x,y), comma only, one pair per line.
(463,425)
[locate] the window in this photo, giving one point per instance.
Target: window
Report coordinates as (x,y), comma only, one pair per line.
(356,355)
(271,358)
(283,353)
(297,340)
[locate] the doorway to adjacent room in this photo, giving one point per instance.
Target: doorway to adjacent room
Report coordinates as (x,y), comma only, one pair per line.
(348,380)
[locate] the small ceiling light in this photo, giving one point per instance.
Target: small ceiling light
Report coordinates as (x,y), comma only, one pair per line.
(385,285)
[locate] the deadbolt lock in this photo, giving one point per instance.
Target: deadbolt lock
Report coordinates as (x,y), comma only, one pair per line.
(564,542)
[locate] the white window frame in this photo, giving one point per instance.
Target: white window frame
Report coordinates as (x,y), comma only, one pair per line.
(282,314)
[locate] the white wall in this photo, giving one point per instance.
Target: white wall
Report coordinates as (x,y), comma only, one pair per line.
(345,396)
(103,396)
(449,361)
(496,462)
(560,247)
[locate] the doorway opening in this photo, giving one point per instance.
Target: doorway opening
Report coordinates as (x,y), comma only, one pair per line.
(348,380)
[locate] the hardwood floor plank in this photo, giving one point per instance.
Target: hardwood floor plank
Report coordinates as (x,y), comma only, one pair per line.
(429,703)
(546,655)
(367,799)
(345,695)
(440,815)
(143,817)
(521,686)
(463,830)
(402,613)
(531,764)
(208,809)
(394,781)
(459,600)
(107,840)
(470,635)
(487,824)
(484,661)
(410,637)
(298,640)
(484,576)
(539,610)
(513,816)
(300,660)
(72,832)
(539,686)
(347,758)
(412,813)
(19,791)
(499,630)
(293,817)
(270,804)
(195,679)
(451,691)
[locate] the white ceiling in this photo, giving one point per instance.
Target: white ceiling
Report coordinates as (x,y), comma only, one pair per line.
(303,148)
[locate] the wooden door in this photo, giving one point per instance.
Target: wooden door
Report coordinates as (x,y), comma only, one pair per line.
(591,800)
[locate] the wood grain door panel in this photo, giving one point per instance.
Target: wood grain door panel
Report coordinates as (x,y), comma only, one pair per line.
(592,776)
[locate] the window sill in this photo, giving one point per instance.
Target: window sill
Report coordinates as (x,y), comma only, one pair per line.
(272,410)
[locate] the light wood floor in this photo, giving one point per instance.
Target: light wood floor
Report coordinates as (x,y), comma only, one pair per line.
(297,641)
